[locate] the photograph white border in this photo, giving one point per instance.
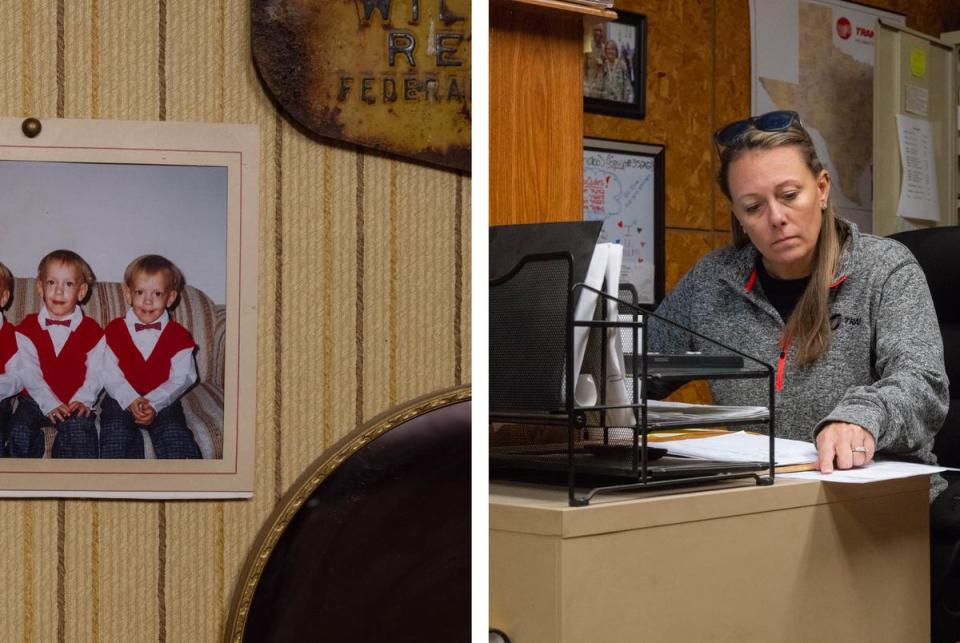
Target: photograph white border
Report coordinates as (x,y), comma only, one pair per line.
(235,147)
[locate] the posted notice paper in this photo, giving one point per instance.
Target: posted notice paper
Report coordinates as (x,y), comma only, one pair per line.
(918,188)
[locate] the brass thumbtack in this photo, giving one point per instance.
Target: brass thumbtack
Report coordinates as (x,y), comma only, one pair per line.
(31,127)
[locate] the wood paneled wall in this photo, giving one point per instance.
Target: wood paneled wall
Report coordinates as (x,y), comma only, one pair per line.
(698,78)
(536,114)
(364,303)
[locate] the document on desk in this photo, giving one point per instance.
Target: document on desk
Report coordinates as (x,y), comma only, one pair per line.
(873,472)
(741,446)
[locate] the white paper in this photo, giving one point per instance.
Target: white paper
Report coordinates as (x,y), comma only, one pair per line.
(616,386)
(587,302)
(873,472)
(604,268)
(740,446)
(918,189)
(707,411)
(681,414)
(585,394)
(917,100)
(751,447)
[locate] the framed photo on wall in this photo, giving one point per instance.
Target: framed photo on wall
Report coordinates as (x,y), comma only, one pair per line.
(99,196)
(623,186)
(614,66)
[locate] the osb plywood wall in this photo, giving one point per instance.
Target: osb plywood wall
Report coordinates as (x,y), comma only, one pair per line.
(363,304)
(698,79)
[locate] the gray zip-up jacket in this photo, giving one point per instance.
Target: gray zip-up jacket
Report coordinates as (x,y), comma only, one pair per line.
(884,368)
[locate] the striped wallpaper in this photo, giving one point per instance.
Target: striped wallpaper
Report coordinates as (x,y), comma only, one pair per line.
(364,303)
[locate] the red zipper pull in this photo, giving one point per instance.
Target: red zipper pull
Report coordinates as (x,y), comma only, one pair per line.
(781,364)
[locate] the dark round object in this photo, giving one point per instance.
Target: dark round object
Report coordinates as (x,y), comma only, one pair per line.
(31,127)
(374,543)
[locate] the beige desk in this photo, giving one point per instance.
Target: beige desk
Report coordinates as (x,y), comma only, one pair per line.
(798,561)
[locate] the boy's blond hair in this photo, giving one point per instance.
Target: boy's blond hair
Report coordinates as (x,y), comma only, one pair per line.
(70,258)
(6,280)
(151,265)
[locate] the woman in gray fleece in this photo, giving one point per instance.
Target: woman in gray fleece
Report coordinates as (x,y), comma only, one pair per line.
(845,317)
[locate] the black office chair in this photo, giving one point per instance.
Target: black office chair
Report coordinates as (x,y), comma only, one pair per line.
(936,251)
(373,542)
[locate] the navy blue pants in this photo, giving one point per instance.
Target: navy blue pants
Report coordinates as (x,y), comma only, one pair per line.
(6,412)
(120,435)
(76,436)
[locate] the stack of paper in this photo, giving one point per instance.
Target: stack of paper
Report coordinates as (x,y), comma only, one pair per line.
(666,413)
(680,414)
(740,446)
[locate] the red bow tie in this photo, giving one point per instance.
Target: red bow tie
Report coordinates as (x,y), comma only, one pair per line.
(153,326)
(58,322)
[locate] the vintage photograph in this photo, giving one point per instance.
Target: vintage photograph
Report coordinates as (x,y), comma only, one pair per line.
(614,66)
(122,294)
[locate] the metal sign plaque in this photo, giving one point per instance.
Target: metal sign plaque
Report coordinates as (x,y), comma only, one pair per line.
(388,74)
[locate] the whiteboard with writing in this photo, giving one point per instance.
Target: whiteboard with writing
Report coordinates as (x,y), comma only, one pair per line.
(620,188)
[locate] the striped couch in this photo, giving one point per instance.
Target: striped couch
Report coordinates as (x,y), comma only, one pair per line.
(206,321)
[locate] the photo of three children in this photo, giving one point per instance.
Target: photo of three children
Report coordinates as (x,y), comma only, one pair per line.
(56,362)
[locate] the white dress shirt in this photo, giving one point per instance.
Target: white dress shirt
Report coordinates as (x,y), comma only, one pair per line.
(9,380)
(32,376)
(183,370)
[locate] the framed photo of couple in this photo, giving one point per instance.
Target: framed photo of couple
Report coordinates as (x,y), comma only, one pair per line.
(614,66)
(111,193)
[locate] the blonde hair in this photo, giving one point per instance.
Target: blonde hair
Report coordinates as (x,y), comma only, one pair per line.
(69,258)
(6,280)
(152,265)
(809,323)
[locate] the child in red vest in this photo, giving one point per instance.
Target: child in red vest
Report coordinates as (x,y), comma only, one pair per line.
(148,365)
(9,375)
(60,351)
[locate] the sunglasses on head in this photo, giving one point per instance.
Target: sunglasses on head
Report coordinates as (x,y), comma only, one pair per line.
(769,122)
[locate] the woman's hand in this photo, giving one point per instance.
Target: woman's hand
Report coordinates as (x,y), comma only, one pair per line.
(850,445)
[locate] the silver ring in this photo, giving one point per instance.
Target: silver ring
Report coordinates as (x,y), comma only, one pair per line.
(859,449)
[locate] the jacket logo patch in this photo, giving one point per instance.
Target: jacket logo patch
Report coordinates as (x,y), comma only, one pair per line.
(836,319)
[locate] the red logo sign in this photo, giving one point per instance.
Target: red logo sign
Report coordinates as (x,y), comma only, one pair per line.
(844,29)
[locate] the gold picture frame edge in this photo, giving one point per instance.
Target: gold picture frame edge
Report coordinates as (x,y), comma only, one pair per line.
(318,471)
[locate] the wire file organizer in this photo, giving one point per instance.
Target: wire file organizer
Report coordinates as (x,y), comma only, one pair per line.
(540,357)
